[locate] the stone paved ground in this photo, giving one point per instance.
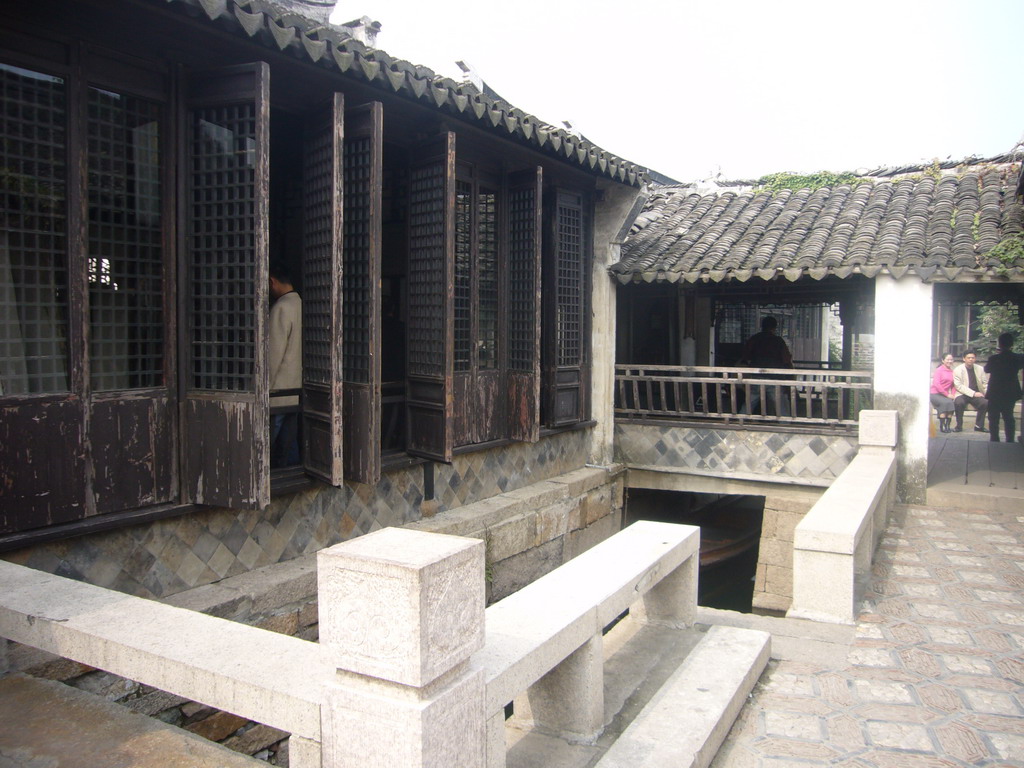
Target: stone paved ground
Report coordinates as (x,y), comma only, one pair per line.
(935,676)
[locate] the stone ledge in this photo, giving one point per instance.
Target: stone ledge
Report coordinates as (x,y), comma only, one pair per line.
(527,517)
(255,592)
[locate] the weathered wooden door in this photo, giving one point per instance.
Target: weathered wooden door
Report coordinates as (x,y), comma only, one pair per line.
(364,151)
(479,320)
(524,300)
(322,302)
(225,413)
(430,339)
(567,283)
(132,393)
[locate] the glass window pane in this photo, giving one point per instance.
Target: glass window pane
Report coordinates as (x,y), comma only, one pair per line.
(33,233)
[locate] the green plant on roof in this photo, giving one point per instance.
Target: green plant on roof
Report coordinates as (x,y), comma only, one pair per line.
(776,182)
(1009,252)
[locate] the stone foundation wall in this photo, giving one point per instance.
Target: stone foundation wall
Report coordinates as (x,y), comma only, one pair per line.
(532,531)
(812,459)
(773,581)
(166,557)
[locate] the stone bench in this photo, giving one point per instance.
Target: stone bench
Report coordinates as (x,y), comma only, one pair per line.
(545,640)
(687,720)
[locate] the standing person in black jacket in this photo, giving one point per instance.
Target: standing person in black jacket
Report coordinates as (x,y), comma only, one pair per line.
(1003,387)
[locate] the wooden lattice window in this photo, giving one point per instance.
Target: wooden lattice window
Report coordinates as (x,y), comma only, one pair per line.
(523,264)
(463,273)
(569,254)
(222,272)
(427,300)
(359,277)
(488,278)
(33,233)
(318,267)
(125,242)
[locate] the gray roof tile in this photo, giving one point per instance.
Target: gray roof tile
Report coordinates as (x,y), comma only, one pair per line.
(281,28)
(935,228)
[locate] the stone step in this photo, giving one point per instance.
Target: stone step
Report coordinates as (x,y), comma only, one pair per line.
(46,723)
(964,496)
(687,720)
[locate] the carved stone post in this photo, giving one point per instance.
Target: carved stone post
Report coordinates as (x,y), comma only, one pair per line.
(401,612)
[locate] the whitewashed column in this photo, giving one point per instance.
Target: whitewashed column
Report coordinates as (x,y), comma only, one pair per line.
(401,612)
(903,351)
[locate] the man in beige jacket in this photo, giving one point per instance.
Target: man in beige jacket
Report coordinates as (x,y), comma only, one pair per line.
(285,364)
(970,382)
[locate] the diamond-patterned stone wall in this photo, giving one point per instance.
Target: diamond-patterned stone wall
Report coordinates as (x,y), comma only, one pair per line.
(165,557)
(727,451)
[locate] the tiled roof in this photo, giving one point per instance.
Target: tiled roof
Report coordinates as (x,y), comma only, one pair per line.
(935,228)
(277,27)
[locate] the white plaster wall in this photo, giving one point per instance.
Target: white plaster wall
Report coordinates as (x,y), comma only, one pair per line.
(903,342)
(610,216)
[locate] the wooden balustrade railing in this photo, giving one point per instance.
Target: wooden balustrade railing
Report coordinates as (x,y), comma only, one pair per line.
(797,397)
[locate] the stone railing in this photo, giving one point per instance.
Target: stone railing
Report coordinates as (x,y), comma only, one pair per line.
(403,675)
(834,543)
(260,675)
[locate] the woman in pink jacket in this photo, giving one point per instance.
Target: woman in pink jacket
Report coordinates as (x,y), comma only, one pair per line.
(943,392)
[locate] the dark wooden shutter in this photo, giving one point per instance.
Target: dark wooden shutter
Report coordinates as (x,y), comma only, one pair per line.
(430,350)
(322,417)
(364,146)
(566,338)
(225,443)
(524,273)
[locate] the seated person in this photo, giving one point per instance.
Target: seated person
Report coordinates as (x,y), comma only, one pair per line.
(970,382)
(943,392)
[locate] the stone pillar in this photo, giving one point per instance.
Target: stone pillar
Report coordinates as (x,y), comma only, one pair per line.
(569,700)
(401,612)
(613,215)
(903,350)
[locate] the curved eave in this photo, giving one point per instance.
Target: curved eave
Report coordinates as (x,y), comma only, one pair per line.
(326,46)
(928,274)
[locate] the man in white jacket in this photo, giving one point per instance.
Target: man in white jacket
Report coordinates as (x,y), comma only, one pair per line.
(970,382)
(285,365)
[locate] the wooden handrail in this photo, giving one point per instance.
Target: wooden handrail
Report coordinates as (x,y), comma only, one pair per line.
(792,396)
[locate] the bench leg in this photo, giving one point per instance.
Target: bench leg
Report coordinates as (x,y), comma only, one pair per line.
(495,739)
(569,700)
(673,600)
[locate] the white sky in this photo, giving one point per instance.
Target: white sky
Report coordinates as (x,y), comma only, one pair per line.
(744,87)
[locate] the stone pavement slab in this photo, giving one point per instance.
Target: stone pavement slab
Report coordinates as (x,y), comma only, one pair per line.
(45,724)
(935,675)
